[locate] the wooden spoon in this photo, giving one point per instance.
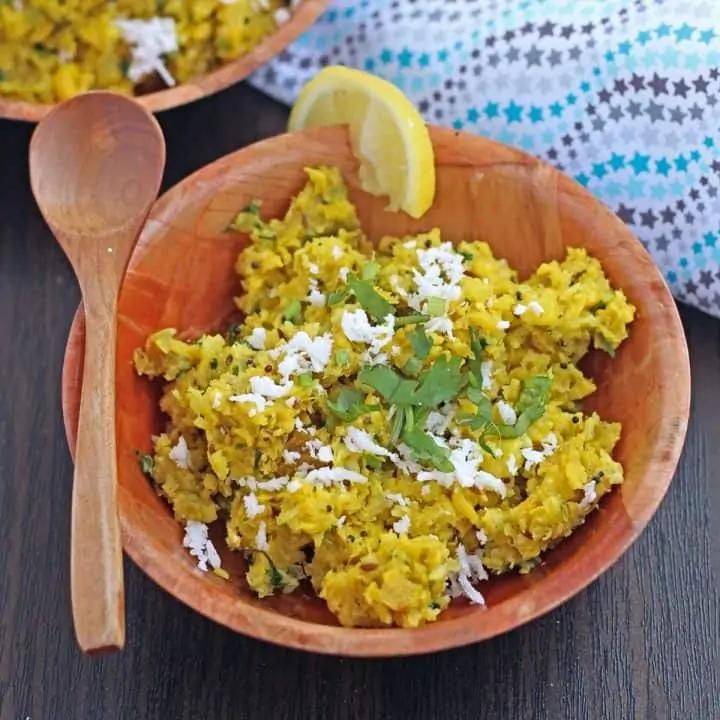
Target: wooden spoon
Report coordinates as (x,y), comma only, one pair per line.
(96,163)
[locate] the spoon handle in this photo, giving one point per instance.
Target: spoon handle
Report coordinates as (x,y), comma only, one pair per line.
(96,571)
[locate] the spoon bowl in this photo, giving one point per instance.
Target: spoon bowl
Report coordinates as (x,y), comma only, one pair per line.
(96,164)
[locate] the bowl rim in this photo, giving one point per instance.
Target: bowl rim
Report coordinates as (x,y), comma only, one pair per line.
(304,16)
(286,631)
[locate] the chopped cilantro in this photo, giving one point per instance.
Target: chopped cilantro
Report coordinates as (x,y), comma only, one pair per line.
(372,302)
(293,312)
(484,406)
(146,462)
(436,307)
(342,357)
(477,343)
(336,296)
(395,389)
(534,394)
(265,232)
(397,415)
(305,380)
(424,448)
(253,208)
(350,404)
(530,406)
(605,344)
(420,342)
(467,257)
(370,271)
(413,366)
(373,461)
(598,306)
(414,319)
(440,383)
(275,577)
(411,400)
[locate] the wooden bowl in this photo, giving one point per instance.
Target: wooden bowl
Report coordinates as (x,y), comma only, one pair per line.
(181,275)
(303,16)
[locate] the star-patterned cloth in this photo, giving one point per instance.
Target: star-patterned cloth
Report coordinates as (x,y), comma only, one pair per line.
(620,94)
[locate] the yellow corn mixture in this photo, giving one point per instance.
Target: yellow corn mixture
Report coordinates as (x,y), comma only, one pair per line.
(390,424)
(51,50)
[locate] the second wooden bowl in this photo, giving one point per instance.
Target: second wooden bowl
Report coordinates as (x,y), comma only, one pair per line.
(181,275)
(304,15)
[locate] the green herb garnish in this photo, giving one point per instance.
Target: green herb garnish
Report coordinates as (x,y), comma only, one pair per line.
(436,307)
(411,400)
(477,345)
(605,344)
(424,448)
(413,366)
(530,407)
(372,461)
(371,301)
(146,462)
(414,319)
(253,208)
(440,383)
(350,404)
(342,357)
(336,296)
(420,342)
(275,577)
(293,312)
(467,257)
(370,271)
(391,386)
(305,380)
(265,232)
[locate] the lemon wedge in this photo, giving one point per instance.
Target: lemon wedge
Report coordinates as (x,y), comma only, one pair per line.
(389,137)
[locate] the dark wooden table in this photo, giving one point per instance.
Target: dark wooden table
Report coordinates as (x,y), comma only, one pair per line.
(641,643)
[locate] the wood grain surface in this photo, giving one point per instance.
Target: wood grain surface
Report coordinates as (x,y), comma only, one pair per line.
(640,643)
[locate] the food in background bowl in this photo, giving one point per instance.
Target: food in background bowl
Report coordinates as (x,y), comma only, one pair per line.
(50,51)
(389,424)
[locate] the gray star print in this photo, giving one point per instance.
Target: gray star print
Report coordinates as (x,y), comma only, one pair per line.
(634,109)
(677,115)
(533,56)
(546,30)
(655,111)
